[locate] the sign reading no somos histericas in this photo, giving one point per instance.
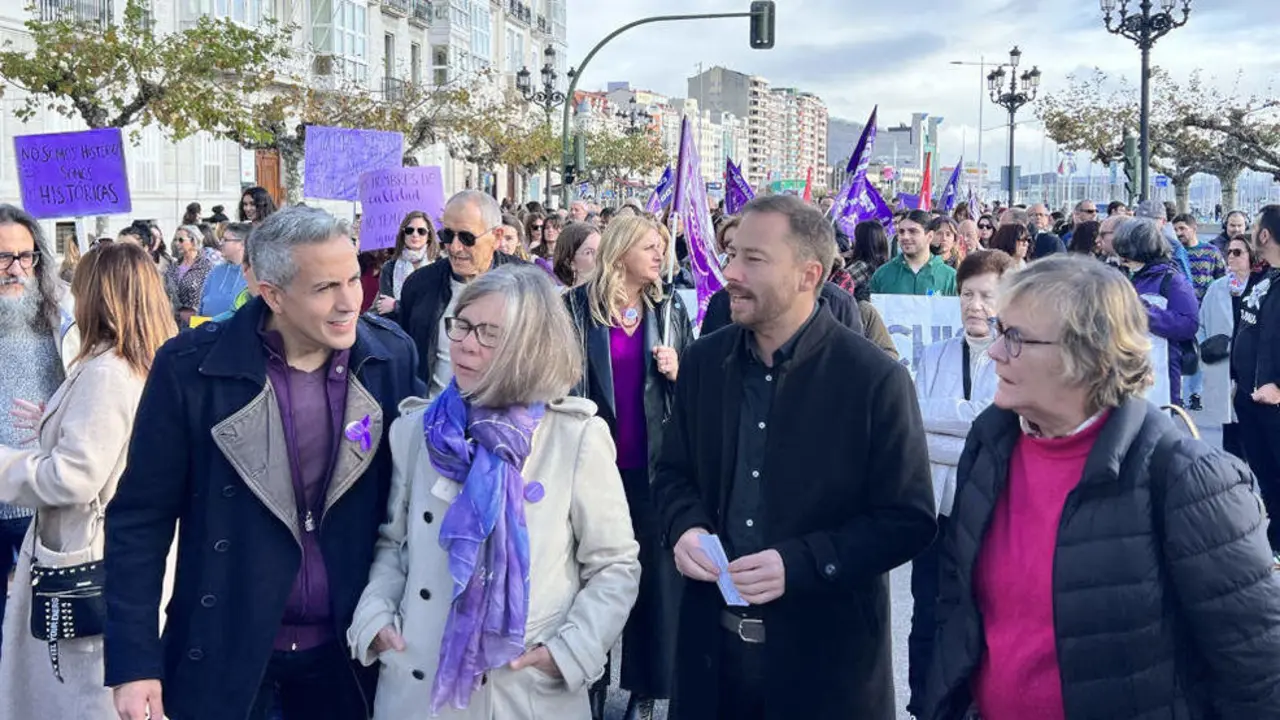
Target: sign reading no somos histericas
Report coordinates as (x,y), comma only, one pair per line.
(64,175)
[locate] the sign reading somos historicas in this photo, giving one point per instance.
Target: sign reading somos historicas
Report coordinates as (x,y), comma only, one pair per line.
(386,196)
(63,175)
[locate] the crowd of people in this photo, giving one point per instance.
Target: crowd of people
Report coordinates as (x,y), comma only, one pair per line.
(257,473)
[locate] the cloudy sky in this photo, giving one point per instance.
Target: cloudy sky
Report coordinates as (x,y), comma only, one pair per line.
(856,53)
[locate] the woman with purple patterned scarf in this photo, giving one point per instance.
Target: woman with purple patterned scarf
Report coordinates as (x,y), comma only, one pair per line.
(507,566)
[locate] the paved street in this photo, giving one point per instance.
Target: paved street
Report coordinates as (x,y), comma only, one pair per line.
(900,583)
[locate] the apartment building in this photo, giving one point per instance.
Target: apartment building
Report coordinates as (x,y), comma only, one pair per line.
(380,45)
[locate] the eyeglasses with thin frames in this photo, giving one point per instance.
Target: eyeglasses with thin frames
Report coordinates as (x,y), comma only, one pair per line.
(1014,340)
(25,260)
(487,334)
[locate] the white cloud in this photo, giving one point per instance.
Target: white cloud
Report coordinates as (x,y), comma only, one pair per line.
(857,54)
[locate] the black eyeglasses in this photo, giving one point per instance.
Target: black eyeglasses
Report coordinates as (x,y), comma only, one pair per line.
(1013,339)
(25,260)
(1233,252)
(985,227)
(468,239)
(537,227)
(411,230)
(486,334)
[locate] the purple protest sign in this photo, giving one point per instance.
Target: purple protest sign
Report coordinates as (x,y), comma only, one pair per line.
(335,158)
(386,196)
(72,174)
(691,205)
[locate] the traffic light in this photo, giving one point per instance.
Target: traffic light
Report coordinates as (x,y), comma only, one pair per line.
(762,15)
(1131,168)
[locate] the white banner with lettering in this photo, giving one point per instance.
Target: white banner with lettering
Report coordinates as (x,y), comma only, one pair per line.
(915,321)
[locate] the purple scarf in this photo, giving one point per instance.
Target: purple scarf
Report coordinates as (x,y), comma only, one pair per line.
(485,534)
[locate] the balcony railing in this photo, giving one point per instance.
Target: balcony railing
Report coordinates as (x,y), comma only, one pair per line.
(396,7)
(79,11)
(544,25)
(393,89)
(421,12)
(520,12)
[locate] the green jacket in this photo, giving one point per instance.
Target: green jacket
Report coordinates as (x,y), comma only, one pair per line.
(896,278)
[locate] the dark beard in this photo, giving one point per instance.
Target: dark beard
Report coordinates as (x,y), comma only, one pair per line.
(19,313)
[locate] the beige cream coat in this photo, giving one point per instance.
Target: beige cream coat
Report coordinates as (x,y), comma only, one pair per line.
(584,572)
(68,479)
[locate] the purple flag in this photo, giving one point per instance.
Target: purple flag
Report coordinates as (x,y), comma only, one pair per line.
(62,175)
(867,204)
(661,196)
(910,201)
(952,190)
(691,206)
(857,168)
(737,192)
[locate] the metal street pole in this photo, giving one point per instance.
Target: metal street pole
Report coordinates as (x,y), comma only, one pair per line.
(1144,27)
(1012,184)
(982,66)
(576,73)
(1017,96)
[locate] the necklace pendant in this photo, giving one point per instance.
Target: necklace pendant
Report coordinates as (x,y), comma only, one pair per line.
(630,316)
(309,522)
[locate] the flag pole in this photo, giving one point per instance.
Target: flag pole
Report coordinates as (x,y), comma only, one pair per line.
(673,224)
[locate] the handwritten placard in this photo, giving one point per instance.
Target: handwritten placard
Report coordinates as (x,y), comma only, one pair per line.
(335,158)
(386,196)
(63,175)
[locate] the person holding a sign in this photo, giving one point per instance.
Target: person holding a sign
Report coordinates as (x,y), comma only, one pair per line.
(815,486)
(632,364)
(955,382)
(415,249)
(1099,563)
(916,270)
(275,470)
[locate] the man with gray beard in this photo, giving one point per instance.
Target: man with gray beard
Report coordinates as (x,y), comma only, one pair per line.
(37,338)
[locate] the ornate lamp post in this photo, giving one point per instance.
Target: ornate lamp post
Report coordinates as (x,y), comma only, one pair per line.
(548,97)
(634,114)
(1021,90)
(1144,27)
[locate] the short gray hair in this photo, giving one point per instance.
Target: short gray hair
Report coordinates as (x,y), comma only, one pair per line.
(1140,240)
(807,228)
(270,246)
(1017,216)
(490,211)
(538,359)
(1103,325)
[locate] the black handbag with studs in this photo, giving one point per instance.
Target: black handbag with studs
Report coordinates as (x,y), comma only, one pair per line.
(67,604)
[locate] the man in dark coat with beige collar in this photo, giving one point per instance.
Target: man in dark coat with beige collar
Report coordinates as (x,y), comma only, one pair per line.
(800,445)
(263,439)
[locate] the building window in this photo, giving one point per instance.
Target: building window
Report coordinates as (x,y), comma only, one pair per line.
(146,161)
(389,55)
(211,161)
(415,63)
(440,65)
(339,29)
(481,32)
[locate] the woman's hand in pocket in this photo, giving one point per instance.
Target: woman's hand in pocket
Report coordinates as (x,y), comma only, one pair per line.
(388,639)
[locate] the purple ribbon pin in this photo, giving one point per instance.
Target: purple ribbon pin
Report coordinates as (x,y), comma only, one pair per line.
(358,431)
(534,492)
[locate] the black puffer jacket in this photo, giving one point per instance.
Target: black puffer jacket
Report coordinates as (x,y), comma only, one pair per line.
(1165,602)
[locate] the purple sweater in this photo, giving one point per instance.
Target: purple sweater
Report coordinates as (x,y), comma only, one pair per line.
(1178,322)
(308,619)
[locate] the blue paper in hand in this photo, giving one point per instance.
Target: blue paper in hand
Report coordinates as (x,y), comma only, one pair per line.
(714,550)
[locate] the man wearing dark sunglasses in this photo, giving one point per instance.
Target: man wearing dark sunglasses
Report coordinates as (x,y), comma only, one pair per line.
(470,235)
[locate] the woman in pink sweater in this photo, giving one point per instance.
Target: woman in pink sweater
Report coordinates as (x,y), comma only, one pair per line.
(1100,564)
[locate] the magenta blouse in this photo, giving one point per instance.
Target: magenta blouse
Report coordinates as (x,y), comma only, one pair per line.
(628,360)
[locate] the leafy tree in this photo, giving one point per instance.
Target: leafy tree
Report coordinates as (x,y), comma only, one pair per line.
(613,157)
(280,120)
(1093,115)
(1247,136)
(125,75)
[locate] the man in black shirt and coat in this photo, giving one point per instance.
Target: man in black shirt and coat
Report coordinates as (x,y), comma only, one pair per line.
(817,487)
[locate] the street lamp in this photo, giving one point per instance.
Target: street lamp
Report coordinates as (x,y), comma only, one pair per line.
(982,66)
(547,98)
(1144,29)
(633,114)
(1015,98)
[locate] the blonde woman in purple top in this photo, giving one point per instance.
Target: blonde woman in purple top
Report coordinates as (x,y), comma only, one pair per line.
(621,313)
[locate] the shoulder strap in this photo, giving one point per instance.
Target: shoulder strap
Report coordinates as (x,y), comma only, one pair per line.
(967,372)
(1161,456)
(1164,284)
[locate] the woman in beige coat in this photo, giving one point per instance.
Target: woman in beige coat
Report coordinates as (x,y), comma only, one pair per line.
(507,566)
(123,315)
